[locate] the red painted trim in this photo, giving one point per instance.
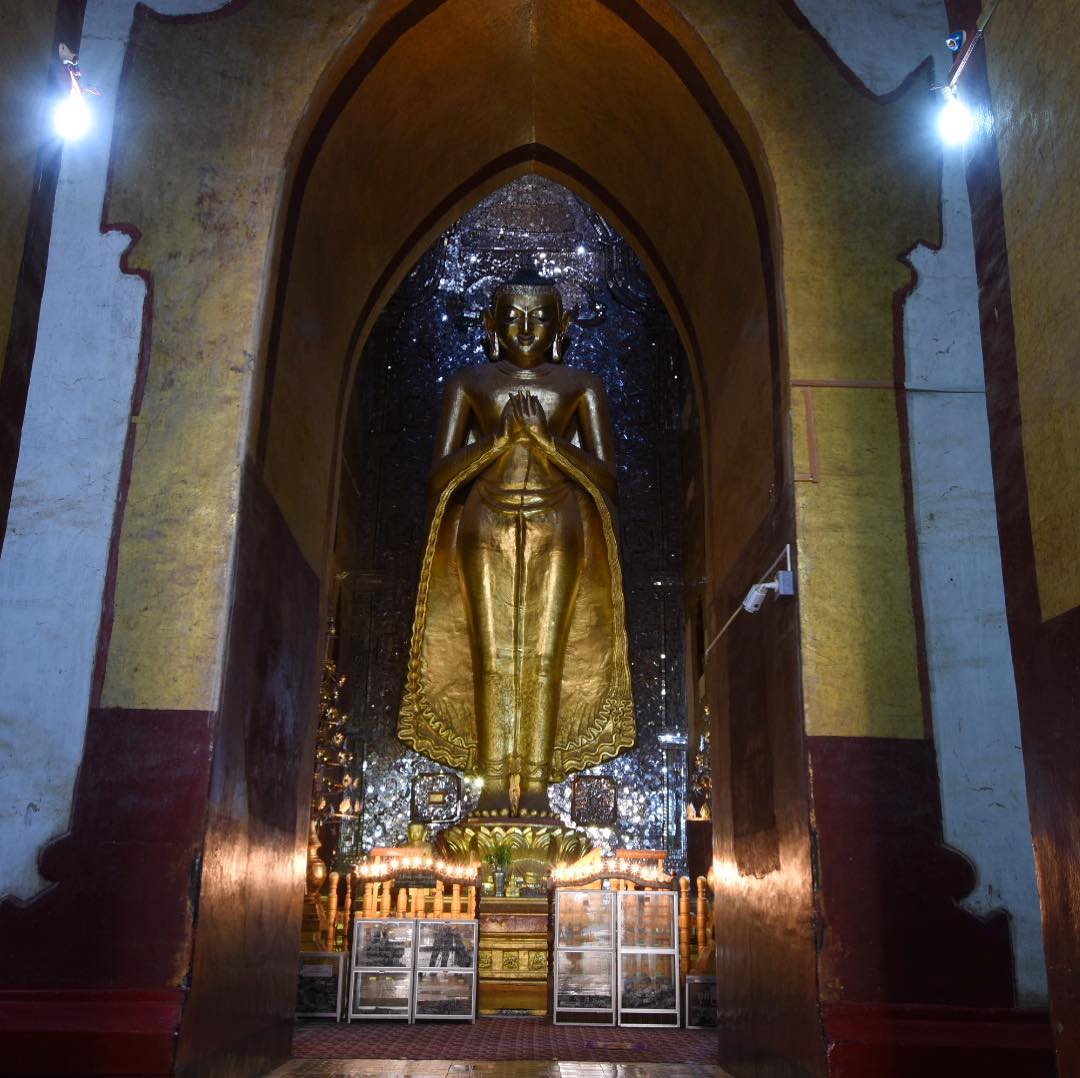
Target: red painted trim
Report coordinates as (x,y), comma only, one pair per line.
(142,1010)
(936,1042)
(888,887)
(136,828)
(91,1031)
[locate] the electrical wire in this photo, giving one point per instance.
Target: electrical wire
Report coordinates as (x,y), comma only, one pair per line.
(785,553)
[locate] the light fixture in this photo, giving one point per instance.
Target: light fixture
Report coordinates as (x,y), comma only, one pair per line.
(71,117)
(955,122)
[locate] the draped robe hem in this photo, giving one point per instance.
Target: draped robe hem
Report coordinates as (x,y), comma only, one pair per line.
(596,714)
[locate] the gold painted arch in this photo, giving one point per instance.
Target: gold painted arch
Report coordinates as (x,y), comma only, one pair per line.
(436,103)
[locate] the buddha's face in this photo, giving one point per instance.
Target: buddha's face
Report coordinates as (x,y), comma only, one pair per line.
(526,326)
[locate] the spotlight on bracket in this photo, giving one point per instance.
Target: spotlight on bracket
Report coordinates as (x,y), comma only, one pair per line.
(71,116)
(955,122)
(955,42)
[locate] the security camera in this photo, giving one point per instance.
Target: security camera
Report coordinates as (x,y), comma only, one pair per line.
(755,597)
(782,584)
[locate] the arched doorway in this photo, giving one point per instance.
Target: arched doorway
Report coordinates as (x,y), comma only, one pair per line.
(438,106)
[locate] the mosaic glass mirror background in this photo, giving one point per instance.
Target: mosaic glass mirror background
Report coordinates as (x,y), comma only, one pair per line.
(431,328)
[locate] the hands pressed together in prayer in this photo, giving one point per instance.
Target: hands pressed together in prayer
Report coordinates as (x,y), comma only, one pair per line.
(523,419)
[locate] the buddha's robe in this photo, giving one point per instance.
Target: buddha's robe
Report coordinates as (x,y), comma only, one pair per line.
(595,717)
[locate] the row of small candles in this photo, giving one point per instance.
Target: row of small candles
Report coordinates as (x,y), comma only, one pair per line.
(424,864)
(609,866)
(380,875)
(380,868)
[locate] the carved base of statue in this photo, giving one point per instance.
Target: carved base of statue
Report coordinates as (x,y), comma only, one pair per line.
(536,843)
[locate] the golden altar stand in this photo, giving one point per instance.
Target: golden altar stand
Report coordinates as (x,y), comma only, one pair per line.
(513,959)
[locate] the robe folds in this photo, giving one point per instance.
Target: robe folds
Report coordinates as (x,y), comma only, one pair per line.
(596,710)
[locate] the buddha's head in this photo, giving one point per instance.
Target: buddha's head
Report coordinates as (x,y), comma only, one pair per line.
(527,322)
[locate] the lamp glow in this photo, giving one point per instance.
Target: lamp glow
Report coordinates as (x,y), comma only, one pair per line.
(71,117)
(955,122)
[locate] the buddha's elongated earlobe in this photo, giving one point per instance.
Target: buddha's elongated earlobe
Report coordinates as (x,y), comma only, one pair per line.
(493,346)
(556,349)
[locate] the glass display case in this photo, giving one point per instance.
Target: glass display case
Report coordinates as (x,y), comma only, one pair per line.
(701,1002)
(584,957)
(647,920)
(381,944)
(446,944)
(584,919)
(445,993)
(381,971)
(648,958)
(445,970)
(321,984)
(584,981)
(413,969)
(381,994)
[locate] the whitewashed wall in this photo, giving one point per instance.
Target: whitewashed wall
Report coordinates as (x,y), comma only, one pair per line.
(972,687)
(52,569)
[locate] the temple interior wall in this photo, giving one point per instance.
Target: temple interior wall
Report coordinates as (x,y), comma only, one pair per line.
(1036,139)
(970,686)
(233,478)
(1019,165)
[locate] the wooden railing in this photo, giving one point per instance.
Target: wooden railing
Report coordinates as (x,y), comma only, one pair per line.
(696,935)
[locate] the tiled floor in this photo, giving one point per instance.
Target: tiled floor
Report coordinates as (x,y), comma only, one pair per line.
(448,1068)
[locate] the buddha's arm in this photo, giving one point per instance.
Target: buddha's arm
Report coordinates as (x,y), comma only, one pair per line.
(452,455)
(597,458)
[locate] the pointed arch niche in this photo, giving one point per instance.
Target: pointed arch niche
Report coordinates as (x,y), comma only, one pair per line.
(431,108)
(431,329)
(444,103)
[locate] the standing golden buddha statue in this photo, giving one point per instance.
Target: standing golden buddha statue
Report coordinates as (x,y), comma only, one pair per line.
(518,667)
